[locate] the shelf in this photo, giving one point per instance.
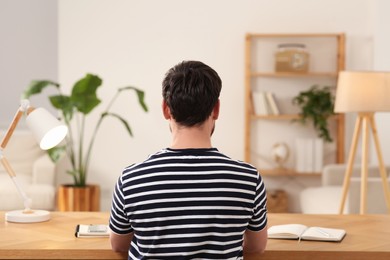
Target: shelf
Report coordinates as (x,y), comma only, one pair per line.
(291,35)
(295,74)
(329,57)
(276,117)
(286,172)
(284,117)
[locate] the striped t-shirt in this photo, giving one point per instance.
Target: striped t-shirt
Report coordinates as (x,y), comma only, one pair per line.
(188,204)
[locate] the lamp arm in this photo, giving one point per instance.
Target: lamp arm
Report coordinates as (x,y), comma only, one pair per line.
(11,128)
(26,200)
(23,107)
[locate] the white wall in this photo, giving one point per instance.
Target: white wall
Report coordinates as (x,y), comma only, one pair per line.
(136,42)
(28,50)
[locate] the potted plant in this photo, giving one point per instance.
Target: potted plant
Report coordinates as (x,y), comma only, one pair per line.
(73,110)
(316,106)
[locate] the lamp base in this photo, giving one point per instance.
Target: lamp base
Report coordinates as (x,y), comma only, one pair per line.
(29,216)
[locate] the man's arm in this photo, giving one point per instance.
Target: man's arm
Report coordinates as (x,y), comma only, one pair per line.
(255,241)
(120,243)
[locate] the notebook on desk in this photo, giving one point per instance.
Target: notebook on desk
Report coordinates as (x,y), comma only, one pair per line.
(302,232)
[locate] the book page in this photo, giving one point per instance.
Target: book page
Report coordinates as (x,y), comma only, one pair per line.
(323,234)
(287,231)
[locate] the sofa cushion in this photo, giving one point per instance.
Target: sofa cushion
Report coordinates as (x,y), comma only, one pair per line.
(21,152)
(42,196)
(322,200)
(25,157)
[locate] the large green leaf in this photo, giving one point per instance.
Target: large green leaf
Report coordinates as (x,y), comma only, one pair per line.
(63,103)
(56,152)
(124,122)
(36,87)
(140,95)
(84,95)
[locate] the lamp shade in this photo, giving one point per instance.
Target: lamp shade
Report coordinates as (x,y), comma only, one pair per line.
(47,130)
(363,91)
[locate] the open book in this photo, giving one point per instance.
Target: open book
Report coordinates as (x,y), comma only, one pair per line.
(99,230)
(302,232)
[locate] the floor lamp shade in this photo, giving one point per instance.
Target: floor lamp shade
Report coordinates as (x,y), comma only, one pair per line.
(47,130)
(363,91)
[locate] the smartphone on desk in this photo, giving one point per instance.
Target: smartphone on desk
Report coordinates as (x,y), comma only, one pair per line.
(92,230)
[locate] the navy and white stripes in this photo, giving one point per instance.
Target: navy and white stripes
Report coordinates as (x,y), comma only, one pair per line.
(188,204)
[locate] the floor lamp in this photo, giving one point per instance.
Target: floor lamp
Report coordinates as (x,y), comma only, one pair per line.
(48,131)
(365,93)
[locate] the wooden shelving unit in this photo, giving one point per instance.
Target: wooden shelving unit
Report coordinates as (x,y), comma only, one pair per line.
(292,75)
(252,74)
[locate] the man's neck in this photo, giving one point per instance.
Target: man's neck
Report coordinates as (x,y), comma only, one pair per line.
(191,137)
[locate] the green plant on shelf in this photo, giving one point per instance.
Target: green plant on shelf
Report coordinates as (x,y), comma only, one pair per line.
(316,106)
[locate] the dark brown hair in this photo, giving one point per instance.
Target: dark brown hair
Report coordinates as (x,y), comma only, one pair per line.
(191,90)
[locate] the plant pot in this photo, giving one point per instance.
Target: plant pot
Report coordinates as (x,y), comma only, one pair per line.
(72,198)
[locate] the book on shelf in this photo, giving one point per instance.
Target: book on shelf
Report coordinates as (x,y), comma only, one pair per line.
(265,103)
(309,155)
(302,232)
(98,230)
(273,106)
(318,158)
(301,158)
(260,103)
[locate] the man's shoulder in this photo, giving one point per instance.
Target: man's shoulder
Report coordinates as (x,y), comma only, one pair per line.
(172,157)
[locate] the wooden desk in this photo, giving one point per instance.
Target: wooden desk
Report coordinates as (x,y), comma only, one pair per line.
(55,238)
(368,237)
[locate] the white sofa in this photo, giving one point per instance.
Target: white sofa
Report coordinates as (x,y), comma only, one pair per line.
(34,170)
(326,199)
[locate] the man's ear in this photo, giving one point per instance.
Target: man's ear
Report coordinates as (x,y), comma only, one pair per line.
(166,110)
(215,112)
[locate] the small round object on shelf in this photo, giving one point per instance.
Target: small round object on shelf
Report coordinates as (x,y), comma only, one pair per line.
(280,153)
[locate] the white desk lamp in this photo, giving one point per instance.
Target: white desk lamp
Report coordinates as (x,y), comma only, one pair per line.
(48,132)
(365,93)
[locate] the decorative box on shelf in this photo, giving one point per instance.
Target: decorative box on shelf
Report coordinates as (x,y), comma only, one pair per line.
(292,57)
